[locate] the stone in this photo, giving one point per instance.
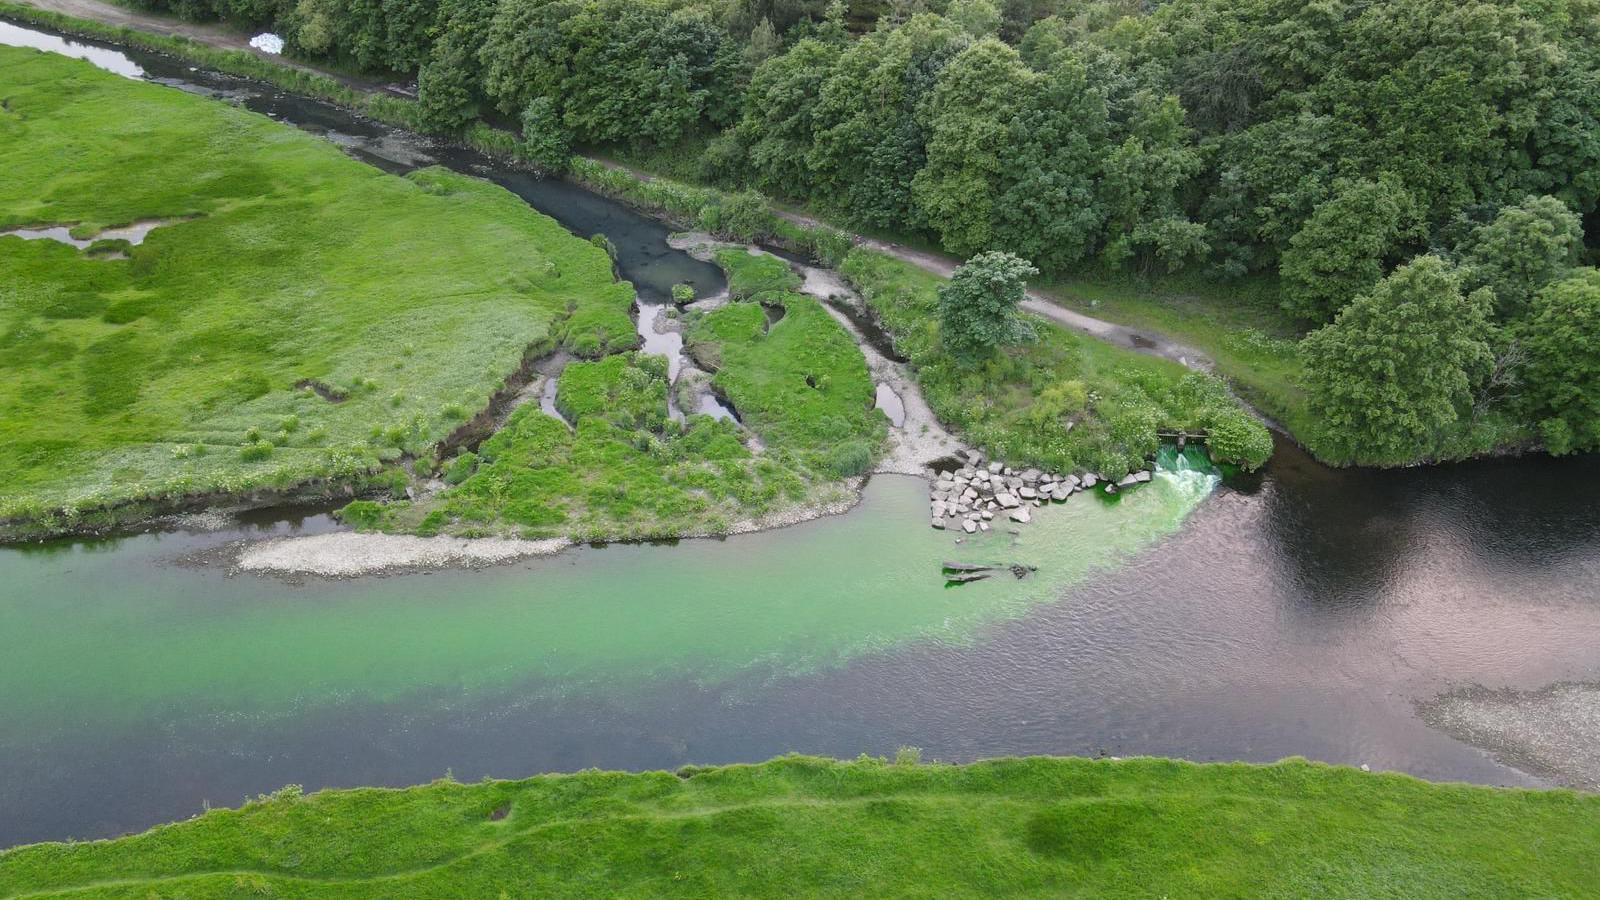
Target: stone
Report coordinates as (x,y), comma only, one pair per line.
(1014,482)
(1027,493)
(969,495)
(1060,492)
(969,526)
(1031,476)
(1037,502)
(984,525)
(1006,500)
(1021,514)
(1111,488)
(994,468)
(1088,481)
(1073,480)
(944,484)
(938,522)
(938,508)
(988,514)
(960,509)
(1143,477)
(1128,481)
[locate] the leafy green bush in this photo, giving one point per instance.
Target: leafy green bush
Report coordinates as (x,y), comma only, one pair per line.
(255,451)
(1235,436)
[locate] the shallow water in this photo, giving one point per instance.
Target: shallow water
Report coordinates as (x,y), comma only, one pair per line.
(891,404)
(1302,611)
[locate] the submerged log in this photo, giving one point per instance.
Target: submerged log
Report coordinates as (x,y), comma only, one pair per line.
(966,577)
(969,567)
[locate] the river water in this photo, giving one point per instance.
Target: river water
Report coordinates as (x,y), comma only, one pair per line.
(1302,611)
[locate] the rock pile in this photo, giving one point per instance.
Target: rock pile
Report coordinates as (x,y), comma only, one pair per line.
(972,496)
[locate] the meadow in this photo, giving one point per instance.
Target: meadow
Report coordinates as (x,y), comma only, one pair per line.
(803,826)
(299,318)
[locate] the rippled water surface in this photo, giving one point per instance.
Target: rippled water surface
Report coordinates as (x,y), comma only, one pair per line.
(1302,611)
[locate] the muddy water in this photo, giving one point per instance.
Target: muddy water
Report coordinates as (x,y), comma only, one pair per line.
(1303,611)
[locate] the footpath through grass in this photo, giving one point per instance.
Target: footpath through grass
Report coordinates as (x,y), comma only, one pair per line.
(188,368)
(802,826)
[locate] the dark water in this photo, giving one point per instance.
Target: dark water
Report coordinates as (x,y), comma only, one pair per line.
(1301,612)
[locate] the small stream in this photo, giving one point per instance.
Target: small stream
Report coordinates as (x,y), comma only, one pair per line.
(1302,611)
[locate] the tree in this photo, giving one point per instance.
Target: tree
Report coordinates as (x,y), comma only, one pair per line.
(447,84)
(869,141)
(1396,370)
(545,141)
(1342,249)
(1526,247)
(978,307)
(1561,378)
(777,126)
(1140,188)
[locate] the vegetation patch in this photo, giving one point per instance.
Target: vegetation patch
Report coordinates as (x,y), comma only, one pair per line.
(1061,400)
(802,826)
(627,469)
(176,372)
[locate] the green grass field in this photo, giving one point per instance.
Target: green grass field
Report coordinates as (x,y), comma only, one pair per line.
(808,827)
(175,372)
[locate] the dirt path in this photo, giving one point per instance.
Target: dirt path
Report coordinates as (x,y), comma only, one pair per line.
(1038,303)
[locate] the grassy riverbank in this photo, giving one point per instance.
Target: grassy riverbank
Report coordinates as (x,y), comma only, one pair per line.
(186,369)
(1065,401)
(812,827)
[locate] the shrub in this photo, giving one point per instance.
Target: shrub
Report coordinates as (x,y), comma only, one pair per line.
(849,459)
(682,293)
(461,468)
(255,451)
(1236,437)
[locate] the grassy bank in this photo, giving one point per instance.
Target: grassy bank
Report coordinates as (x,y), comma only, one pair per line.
(620,466)
(299,317)
(1065,401)
(800,826)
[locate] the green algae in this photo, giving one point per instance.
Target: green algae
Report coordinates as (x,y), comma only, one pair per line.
(125,637)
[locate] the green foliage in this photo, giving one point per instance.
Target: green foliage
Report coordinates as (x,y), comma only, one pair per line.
(1013,827)
(750,274)
(460,468)
(1393,376)
(614,70)
(744,216)
(682,293)
(1341,251)
(218,316)
(1561,377)
(850,458)
(545,141)
(1234,436)
(978,307)
(1065,401)
(1526,247)
(802,385)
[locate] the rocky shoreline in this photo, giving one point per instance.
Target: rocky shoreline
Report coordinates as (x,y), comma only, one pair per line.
(972,496)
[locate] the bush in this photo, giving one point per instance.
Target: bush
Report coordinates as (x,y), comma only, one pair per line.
(255,451)
(1236,437)
(849,459)
(682,293)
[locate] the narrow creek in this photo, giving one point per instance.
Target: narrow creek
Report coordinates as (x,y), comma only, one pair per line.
(1301,611)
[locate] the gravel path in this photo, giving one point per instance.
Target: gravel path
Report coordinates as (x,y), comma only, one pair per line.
(1553,731)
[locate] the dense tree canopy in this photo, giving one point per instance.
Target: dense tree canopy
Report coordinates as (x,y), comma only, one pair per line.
(1394,373)
(1561,386)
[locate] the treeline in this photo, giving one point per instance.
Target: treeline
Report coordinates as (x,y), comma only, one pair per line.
(1359,152)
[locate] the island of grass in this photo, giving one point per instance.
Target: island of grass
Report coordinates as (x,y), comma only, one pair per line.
(802,826)
(615,463)
(298,320)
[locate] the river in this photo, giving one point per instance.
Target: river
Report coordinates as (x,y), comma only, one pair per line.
(1302,611)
